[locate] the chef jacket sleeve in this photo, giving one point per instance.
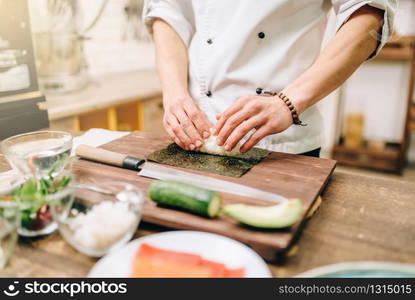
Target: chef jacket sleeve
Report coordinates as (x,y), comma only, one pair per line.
(345,8)
(177,13)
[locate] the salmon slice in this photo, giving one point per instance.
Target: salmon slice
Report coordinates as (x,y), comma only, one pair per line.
(235,273)
(147,250)
(151,261)
(168,269)
(218,269)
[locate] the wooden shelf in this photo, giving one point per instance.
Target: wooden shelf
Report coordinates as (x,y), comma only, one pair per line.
(379,165)
(395,54)
(388,159)
(390,153)
(398,48)
(411,124)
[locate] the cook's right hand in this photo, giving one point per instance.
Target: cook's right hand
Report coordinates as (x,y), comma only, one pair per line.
(185,123)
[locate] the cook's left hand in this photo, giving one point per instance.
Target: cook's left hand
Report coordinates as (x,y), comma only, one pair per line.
(268,115)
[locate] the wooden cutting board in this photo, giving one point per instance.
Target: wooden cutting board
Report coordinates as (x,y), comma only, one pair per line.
(293,176)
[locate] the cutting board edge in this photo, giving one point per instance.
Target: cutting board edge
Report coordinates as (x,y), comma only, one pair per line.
(251,243)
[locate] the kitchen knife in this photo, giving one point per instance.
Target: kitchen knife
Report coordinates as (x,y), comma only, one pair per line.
(157,171)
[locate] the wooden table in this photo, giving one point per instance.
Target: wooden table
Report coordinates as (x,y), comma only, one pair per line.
(361,218)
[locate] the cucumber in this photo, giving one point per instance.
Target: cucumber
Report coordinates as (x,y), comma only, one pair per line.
(276,216)
(185,196)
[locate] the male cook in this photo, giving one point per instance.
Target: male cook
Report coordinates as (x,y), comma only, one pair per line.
(253,69)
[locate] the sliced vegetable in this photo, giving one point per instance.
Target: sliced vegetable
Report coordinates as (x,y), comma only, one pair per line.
(153,268)
(277,216)
(150,261)
(148,251)
(235,273)
(185,196)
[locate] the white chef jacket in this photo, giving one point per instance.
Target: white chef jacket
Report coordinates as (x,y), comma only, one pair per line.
(238,46)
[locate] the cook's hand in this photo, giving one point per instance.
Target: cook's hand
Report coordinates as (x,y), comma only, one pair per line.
(268,115)
(185,123)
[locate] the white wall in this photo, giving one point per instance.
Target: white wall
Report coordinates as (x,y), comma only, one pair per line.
(380,88)
(107,51)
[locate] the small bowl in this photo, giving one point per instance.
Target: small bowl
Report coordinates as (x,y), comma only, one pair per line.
(97,218)
(9,220)
(9,182)
(39,153)
(35,211)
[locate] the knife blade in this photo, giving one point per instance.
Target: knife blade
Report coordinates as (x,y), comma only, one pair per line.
(160,172)
(157,171)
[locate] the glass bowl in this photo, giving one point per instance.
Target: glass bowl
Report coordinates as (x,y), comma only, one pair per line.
(34,203)
(97,218)
(9,182)
(36,219)
(40,154)
(9,220)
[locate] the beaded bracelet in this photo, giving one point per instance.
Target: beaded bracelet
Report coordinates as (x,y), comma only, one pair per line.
(294,114)
(287,101)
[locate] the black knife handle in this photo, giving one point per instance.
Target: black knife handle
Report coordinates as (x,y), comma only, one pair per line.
(132,163)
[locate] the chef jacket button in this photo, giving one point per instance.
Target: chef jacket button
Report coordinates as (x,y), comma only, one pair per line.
(259,91)
(261,35)
(209,41)
(208,93)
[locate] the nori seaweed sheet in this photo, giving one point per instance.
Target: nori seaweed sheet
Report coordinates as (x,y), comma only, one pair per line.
(236,166)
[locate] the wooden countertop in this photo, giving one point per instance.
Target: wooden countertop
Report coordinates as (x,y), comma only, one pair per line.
(361,218)
(103,92)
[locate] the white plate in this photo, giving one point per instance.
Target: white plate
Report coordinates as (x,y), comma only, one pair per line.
(210,246)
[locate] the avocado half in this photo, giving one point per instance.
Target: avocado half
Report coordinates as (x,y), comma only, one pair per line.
(276,216)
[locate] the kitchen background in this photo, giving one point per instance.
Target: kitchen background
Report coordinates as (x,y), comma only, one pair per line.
(96,68)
